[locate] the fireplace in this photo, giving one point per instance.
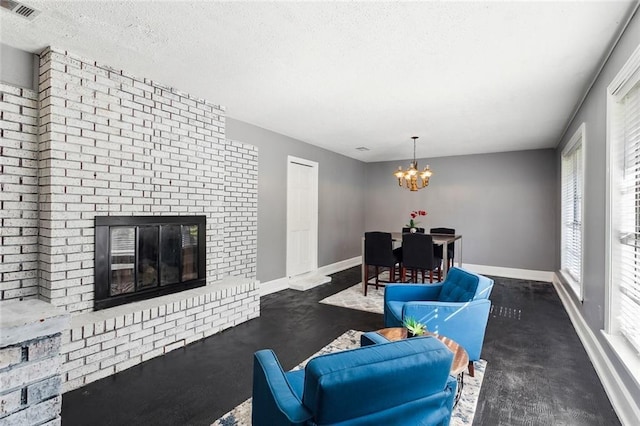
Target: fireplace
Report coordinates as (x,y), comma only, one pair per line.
(140,257)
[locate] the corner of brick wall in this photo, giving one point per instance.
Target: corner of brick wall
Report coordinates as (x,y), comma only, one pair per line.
(30,363)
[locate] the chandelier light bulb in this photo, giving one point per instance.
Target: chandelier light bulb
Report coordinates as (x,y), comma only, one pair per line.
(410,176)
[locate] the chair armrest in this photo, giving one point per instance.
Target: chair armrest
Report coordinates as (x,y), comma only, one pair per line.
(274,401)
(409,292)
(463,322)
(372,338)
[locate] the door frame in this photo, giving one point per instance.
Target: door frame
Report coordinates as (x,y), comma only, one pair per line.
(313,220)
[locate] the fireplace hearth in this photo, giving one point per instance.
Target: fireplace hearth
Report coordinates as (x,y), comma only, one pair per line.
(140,257)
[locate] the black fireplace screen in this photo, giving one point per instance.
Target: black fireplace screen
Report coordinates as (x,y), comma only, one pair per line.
(139,257)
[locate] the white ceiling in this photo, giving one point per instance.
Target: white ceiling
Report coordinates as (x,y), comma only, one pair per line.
(467,77)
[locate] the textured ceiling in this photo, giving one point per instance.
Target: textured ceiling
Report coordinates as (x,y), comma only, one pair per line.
(467,77)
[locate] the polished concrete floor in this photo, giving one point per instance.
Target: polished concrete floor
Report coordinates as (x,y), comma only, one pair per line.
(537,372)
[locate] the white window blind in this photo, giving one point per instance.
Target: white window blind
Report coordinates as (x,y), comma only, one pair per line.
(629,210)
(572,184)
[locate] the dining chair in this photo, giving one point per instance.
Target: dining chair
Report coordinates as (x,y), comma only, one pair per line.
(379,253)
(418,256)
(450,246)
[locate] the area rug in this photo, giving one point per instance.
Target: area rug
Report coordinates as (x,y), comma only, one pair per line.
(354,298)
(462,414)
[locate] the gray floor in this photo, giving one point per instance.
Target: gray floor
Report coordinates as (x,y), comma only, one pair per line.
(537,373)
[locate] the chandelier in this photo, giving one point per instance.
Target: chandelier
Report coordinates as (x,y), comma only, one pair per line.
(410,176)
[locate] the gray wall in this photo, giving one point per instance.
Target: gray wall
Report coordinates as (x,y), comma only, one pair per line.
(503,204)
(593,114)
(17,67)
(341,198)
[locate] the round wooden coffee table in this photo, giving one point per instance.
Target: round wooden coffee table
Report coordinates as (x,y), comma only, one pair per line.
(460,356)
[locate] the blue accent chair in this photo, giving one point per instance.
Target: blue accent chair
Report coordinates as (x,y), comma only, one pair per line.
(395,383)
(458,308)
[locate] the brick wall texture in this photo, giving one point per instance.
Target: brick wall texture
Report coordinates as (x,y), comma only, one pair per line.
(241,209)
(18,193)
(96,347)
(30,382)
(92,141)
(113,144)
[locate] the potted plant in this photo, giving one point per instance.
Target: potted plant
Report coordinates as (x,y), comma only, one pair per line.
(413,223)
(414,327)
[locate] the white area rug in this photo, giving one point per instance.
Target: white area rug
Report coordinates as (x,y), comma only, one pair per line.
(463,413)
(354,298)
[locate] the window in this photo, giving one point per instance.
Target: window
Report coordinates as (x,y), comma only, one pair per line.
(572,170)
(623,204)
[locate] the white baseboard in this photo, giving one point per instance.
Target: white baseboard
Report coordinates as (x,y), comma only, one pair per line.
(499,271)
(274,286)
(621,400)
(339,266)
(283,283)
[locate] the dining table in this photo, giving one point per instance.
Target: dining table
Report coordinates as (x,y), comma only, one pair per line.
(438,239)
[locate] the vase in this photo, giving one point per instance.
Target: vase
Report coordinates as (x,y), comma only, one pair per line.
(413,230)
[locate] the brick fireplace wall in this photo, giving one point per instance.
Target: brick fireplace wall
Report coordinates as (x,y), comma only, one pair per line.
(113,144)
(241,209)
(18,193)
(94,140)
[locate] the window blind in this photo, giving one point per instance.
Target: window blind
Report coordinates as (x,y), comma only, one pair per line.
(572,180)
(629,263)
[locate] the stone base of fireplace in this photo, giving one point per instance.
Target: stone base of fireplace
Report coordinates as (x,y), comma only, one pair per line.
(30,384)
(99,344)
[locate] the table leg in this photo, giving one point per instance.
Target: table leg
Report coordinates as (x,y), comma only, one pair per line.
(445,260)
(364,285)
(460,380)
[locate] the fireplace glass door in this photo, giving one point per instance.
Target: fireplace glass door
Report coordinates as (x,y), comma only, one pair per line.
(123,260)
(149,257)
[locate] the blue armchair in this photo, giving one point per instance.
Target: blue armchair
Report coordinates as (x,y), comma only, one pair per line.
(394,383)
(457,308)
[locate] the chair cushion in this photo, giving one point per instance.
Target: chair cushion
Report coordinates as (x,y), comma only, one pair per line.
(459,286)
(354,386)
(296,381)
(395,308)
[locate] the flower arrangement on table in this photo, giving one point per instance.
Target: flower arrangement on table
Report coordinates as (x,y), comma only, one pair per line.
(413,223)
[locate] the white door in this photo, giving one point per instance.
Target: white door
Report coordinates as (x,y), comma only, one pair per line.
(302,216)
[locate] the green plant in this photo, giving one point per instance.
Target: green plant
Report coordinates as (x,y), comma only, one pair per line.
(414,327)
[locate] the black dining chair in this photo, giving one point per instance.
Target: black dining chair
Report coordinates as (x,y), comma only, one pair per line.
(379,253)
(418,256)
(450,246)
